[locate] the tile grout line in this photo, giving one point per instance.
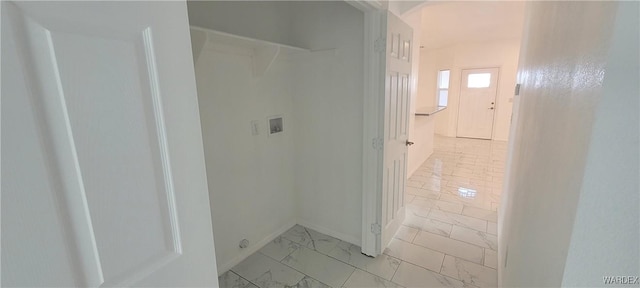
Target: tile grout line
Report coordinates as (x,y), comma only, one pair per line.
(300,245)
(251,282)
(402,260)
(442,264)
(476,245)
(248,280)
(305,275)
(349,264)
(484,256)
(434,249)
(456,268)
(331,257)
(396,271)
(294,250)
(345,281)
(473,243)
(469,262)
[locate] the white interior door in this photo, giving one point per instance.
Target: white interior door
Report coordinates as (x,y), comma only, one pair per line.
(396,125)
(478,90)
(103,176)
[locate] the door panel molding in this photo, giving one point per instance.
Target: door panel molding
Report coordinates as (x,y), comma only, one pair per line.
(398,70)
(48,101)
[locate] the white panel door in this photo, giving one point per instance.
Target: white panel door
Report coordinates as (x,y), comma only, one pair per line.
(396,125)
(103,176)
(478,89)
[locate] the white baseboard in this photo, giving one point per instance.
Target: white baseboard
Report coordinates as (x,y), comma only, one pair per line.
(344,237)
(224,267)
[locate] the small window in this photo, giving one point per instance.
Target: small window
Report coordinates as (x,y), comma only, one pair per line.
(443,88)
(443,79)
(479,80)
(443,97)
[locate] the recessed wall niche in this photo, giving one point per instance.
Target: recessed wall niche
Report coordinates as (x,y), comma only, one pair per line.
(275,124)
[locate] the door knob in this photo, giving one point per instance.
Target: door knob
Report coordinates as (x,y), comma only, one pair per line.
(409,143)
(491,108)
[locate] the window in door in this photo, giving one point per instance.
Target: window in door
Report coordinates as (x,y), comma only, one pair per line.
(443,88)
(479,80)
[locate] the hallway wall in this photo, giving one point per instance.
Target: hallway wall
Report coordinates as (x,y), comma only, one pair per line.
(569,214)
(606,234)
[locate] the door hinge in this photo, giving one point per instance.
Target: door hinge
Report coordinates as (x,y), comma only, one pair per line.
(377,143)
(380,45)
(376,228)
(517,90)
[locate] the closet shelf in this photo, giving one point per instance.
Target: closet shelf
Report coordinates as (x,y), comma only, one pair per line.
(263,53)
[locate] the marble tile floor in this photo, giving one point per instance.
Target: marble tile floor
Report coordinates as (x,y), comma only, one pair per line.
(448,238)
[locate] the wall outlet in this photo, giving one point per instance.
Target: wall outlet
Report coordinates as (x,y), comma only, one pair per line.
(244,243)
(255,128)
(275,124)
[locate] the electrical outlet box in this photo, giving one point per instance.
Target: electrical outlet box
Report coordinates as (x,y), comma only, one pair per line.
(275,124)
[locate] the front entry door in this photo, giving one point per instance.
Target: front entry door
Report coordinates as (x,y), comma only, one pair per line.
(478,89)
(396,125)
(103,176)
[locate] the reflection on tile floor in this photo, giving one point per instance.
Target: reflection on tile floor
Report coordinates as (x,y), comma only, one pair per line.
(447,240)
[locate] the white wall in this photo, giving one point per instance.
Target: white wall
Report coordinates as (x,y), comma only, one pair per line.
(327,108)
(432,61)
(421,128)
(501,54)
(265,20)
(569,154)
(606,233)
(312,173)
(250,177)
(422,135)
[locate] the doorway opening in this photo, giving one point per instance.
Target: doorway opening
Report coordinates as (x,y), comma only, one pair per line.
(467,65)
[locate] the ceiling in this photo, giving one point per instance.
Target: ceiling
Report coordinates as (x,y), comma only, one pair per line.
(451,23)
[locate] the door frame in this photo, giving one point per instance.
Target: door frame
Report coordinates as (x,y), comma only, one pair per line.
(493,122)
(373,117)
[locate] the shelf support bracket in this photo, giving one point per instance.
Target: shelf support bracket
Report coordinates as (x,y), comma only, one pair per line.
(263,58)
